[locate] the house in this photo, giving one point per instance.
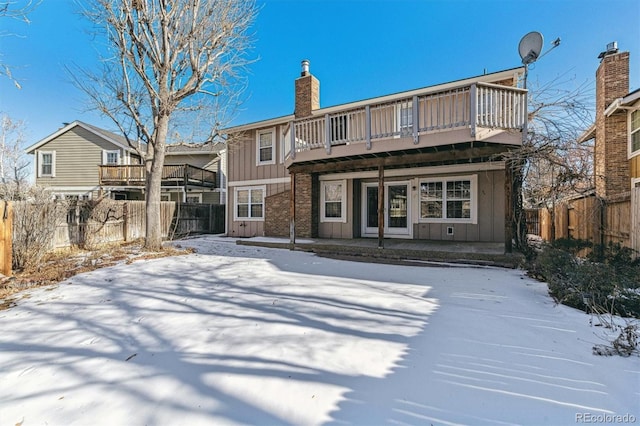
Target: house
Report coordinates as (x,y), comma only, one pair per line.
(83,161)
(421,164)
(616,135)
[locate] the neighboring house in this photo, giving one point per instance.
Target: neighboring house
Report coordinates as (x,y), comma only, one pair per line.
(421,164)
(82,161)
(616,150)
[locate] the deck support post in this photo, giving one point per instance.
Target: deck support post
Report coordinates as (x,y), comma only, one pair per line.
(380,206)
(292,212)
(508,206)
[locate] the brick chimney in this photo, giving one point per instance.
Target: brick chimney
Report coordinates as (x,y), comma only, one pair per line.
(610,157)
(307,92)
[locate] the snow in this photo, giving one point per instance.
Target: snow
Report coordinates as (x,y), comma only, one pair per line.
(249,335)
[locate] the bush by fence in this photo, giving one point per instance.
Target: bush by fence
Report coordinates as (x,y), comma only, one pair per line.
(43,226)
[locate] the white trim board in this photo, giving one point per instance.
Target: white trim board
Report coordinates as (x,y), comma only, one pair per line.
(259,182)
(415,171)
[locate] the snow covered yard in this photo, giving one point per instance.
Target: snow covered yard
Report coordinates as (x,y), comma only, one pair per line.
(245,335)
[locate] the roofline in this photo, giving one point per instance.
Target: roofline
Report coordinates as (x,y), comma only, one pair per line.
(588,134)
(70,126)
(512,72)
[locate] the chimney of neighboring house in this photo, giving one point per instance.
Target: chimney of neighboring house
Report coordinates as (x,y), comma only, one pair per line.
(307,92)
(610,156)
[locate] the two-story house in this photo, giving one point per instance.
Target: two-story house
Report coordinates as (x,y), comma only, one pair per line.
(83,161)
(422,164)
(616,133)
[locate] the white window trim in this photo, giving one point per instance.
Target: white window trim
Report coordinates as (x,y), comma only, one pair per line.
(630,152)
(343,213)
(194,195)
(474,200)
(105,156)
(53,163)
(272,131)
(235,203)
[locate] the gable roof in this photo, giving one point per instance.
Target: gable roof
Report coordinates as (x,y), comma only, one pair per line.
(184,148)
(115,139)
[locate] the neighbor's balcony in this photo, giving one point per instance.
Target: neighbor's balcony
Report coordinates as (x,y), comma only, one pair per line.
(172,175)
(477,112)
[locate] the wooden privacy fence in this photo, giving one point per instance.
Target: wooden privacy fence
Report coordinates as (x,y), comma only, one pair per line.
(5,238)
(615,220)
(90,223)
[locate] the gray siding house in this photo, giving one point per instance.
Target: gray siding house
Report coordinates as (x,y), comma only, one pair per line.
(82,161)
(422,164)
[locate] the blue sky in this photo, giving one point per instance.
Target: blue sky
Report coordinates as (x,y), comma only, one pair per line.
(358,49)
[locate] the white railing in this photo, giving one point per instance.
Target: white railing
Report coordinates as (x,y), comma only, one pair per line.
(500,107)
(475,106)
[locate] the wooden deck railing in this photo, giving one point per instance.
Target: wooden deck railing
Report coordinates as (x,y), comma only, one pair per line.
(173,175)
(479,105)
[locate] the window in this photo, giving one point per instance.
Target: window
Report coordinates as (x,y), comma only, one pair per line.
(448,200)
(405,117)
(249,203)
(110,158)
(46,163)
(333,204)
(265,143)
(635,131)
(194,198)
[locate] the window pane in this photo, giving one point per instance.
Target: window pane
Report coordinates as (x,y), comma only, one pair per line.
(243,210)
(635,120)
(635,141)
(458,209)
(266,154)
(112,158)
(431,209)
(46,159)
(256,196)
(256,210)
(243,196)
(430,190)
(333,209)
(333,192)
(460,189)
(265,140)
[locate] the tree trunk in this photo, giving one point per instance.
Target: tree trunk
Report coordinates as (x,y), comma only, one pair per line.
(154,166)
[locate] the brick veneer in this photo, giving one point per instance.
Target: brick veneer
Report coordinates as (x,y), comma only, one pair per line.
(307,196)
(610,157)
(307,95)
(276,217)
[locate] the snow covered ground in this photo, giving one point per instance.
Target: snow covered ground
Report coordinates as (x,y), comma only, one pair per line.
(246,335)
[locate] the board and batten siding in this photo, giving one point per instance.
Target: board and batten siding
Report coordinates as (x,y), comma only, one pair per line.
(243,168)
(490,204)
(78,155)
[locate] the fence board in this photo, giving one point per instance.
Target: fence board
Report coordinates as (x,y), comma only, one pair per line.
(592,219)
(91,223)
(6,231)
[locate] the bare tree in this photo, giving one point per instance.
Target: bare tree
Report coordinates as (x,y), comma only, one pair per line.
(14,167)
(15,9)
(174,68)
(552,164)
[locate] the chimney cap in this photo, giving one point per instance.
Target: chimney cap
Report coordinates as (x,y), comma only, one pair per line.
(612,48)
(305,67)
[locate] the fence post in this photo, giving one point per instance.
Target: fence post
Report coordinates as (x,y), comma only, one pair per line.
(211,221)
(125,221)
(6,230)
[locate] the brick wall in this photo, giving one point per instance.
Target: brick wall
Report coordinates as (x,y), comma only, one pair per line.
(610,155)
(307,95)
(307,193)
(276,218)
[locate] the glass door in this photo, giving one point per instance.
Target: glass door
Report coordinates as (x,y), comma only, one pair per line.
(396,209)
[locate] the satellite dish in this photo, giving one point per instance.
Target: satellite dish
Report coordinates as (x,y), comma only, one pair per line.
(530,47)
